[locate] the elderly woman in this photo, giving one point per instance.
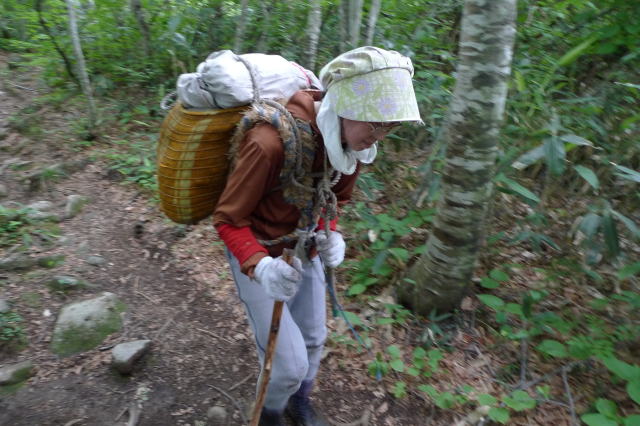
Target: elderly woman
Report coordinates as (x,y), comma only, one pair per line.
(368,94)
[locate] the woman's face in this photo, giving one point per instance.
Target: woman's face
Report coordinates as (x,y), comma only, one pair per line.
(359,135)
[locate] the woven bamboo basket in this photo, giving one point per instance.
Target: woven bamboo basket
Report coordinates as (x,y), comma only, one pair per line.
(193,162)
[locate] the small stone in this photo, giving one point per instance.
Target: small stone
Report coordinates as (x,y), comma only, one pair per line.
(4,306)
(37,215)
(3,191)
(126,354)
(96,260)
(217,414)
(84,325)
(42,206)
(74,206)
(17,262)
(16,373)
(65,283)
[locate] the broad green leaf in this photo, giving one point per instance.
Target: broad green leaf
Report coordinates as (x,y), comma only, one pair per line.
(607,407)
(520,190)
(419,353)
(445,400)
(519,401)
(385,321)
(520,84)
(629,271)
(400,253)
(429,390)
(554,155)
(633,389)
(394,351)
(588,175)
(486,399)
(598,420)
(412,371)
(576,140)
(631,226)
(499,414)
(514,308)
(400,390)
(356,289)
(499,275)
(627,173)
(353,318)
(397,365)
(487,282)
(529,158)
(553,348)
(573,54)
(633,420)
(491,301)
(590,224)
(622,369)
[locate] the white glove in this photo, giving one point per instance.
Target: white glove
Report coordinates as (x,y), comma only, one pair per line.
(331,248)
(279,279)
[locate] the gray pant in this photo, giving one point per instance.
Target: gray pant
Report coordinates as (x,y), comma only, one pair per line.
(302,329)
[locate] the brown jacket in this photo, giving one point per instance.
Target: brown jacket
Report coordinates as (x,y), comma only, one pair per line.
(250,198)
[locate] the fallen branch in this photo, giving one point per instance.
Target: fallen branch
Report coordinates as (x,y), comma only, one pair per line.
(32,90)
(534,382)
(241,382)
(212,334)
(567,388)
(234,402)
(362,421)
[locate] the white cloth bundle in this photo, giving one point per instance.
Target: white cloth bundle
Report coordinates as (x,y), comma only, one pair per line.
(223,80)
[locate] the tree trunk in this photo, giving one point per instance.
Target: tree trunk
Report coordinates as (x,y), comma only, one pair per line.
(242,24)
(343,23)
(373,19)
(263,41)
(136,9)
(315,21)
(56,46)
(355,19)
(82,69)
(441,276)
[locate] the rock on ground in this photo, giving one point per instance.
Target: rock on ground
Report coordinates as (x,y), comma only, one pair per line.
(84,325)
(15,373)
(74,206)
(4,306)
(126,354)
(218,415)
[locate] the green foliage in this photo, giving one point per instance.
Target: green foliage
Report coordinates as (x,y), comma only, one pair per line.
(135,161)
(11,332)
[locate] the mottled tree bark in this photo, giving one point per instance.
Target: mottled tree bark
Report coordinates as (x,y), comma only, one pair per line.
(43,23)
(313,28)
(343,23)
(373,19)
(442,275)
(242,24)
(82,68)
(263,41)
(355,20)
(136,9)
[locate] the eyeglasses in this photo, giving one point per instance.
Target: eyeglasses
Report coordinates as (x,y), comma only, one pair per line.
(380,130)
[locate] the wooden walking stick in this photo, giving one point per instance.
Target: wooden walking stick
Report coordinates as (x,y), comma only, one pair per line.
(271,347)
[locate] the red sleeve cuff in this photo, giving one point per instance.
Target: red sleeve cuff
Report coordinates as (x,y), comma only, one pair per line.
(240,241)
(333,224)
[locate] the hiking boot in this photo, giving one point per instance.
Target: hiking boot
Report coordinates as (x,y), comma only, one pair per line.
(271,418)
(300,409)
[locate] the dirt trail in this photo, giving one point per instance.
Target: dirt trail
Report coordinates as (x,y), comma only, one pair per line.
(175,284)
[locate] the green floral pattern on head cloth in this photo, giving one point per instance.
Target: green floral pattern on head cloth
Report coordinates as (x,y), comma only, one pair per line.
(379,96)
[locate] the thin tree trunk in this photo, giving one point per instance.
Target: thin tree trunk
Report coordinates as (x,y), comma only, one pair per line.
(373,19)
(441,276)
(242,24)
(136,9)
(315,21)
(82,69)
(355,20)
(43,23)
(343,23)
(263,41)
